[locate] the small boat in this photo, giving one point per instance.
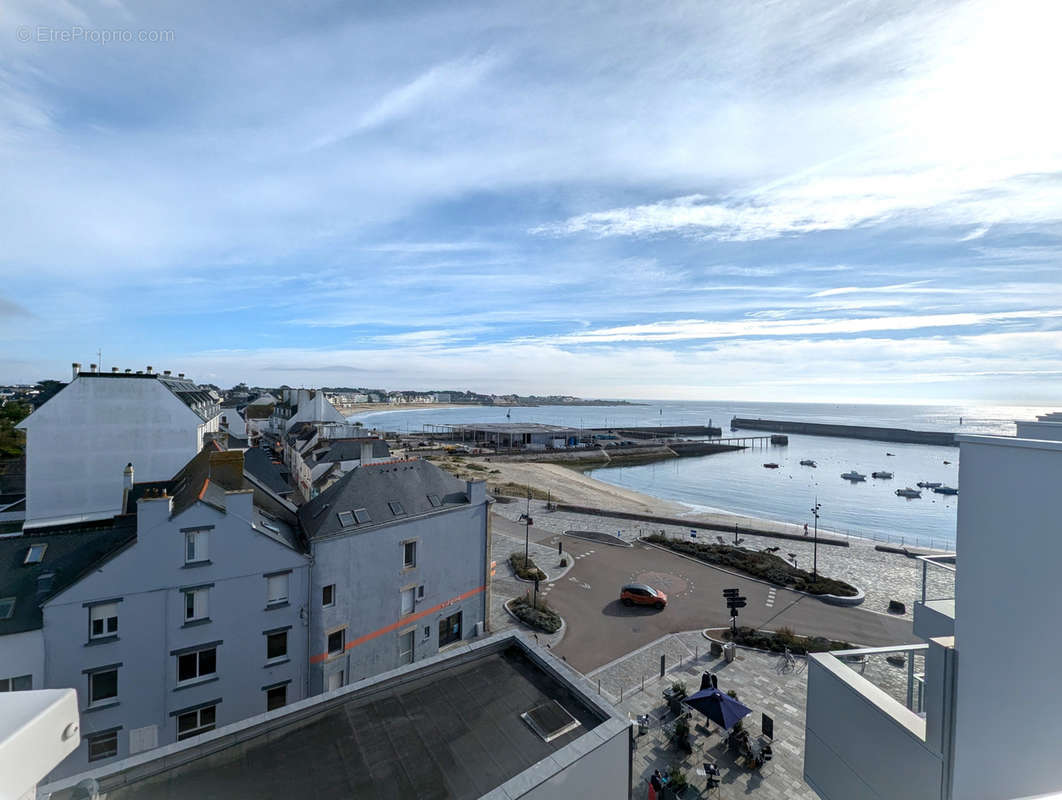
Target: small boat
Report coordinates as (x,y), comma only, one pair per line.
(853,476)
(890,454)
(771,465)
(881,474)
(807,462)
(945,490)
(929,484)
(947,462)
(908,493)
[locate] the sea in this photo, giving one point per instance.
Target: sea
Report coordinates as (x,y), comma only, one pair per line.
(737,482)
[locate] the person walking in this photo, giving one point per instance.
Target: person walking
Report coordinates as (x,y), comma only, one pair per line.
(805,529)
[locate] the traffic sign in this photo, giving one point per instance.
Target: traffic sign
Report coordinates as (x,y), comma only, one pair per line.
(737,602)
(730,592)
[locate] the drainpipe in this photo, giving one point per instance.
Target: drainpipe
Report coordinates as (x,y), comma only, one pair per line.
(309,606)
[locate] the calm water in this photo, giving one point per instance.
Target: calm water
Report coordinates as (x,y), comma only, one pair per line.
(739,483)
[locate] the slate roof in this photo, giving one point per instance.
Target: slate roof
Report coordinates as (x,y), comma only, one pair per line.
(71,553)
(350,450)
(373,487)
(260,464)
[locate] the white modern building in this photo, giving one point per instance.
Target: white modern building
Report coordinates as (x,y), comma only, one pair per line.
(79,443)
(982,713)
(303,405)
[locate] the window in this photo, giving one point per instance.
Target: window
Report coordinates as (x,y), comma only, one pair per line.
(35,554)
(405,647)
(396,508)
(102,745)
(195,546)
(276,645)
(197,664)
(407,600)
(103,620)
(409,554)
(276,697)
(450,629)
(336,641)
(434,500)
(362,516)
(328,595)
(19,683)
(335,680)
(427,632)
(103,686)
(420,592)
(193,723)
(346,518)
(7,607)
(277,589)
(195,604)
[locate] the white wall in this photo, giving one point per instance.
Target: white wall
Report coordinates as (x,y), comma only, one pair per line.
(78,443)
(601,774)
(23,654)
(1039,430)
(1008,721)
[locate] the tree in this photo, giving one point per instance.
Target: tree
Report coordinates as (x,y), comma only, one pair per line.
(12,441)
(46,391)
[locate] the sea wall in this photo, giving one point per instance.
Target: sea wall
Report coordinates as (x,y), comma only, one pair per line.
(902,435)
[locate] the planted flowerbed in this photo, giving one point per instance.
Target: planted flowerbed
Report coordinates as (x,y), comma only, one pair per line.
(766,566)
(539,616)
(779,640)
(527,570)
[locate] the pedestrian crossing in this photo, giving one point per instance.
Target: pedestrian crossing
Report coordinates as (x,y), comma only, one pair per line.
(770,598)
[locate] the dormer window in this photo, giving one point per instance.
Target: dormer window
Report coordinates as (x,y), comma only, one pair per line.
(434,500)
(396,508)
(346,518)
(362,515)
(35,554)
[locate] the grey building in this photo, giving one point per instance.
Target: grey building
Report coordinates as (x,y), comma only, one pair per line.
(498,719)
(400,556)
(196,622)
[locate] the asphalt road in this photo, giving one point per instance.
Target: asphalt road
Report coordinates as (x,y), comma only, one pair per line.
(601,629)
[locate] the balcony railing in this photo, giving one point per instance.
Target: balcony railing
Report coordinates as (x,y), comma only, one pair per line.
(938,577)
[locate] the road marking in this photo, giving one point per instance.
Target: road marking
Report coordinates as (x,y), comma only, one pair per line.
(770,598)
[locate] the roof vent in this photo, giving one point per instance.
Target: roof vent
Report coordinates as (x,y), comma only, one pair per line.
(180,374)
(550,720)
(114,369)
(128,371)
(165,372)
(76,367)
(140,372)
(92,367)
(149,369)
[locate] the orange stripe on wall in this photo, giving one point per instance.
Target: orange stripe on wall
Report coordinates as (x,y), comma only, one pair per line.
(402,622)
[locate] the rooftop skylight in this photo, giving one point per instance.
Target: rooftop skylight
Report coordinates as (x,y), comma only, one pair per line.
(35,554)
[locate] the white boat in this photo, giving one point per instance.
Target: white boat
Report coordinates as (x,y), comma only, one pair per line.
(908,493)
(881,474)
(929,484)
(807,462)
(853,476)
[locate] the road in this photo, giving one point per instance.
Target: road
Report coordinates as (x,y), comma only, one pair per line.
(601,629)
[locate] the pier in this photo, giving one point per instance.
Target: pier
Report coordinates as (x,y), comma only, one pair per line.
(879,434)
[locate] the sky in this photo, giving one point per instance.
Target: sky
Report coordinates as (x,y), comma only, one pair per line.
(807,201)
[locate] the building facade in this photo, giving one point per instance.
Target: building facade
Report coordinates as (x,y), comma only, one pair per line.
(79,443)
(400,552)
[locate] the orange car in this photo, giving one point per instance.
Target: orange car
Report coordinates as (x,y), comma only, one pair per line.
(639,594)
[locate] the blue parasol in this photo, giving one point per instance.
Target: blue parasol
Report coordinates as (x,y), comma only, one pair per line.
(718,706)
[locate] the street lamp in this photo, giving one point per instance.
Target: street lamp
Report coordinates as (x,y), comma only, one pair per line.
(815,547)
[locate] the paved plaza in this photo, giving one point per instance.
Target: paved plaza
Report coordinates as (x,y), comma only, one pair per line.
(760,683)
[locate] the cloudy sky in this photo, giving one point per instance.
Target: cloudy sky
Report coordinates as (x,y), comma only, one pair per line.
(718,200)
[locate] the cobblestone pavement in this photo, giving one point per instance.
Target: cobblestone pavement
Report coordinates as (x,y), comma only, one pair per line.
(882,576)
(760,684)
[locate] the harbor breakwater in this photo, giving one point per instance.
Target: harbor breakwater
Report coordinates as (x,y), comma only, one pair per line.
(880,434)
(602,456)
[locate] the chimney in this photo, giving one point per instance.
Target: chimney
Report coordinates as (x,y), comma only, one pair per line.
(180,374)
(140,372)
(149,369)
(366,451)
(114,369)
(128,371)
(128,473)
(77,368)
(226,469)
(165,372)
(92,367)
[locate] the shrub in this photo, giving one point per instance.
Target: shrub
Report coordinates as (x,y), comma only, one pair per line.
(539,616)
(529,571)
(679,687)
(677,779)
(783,638)
(766,566)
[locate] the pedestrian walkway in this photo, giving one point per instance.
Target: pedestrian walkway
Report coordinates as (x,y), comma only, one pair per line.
(761,682)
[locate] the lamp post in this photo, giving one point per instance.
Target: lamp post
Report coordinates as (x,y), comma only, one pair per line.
(527,526)
(815,546)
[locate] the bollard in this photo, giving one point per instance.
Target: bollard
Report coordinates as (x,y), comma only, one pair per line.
(599,686)
(662,664)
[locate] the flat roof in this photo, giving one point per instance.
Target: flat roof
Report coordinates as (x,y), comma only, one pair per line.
(512,427)
(447,727)
(1009,441)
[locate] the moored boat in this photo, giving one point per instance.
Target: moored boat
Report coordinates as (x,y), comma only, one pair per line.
(771,465)
(807,462)
(853,476)
(929,484)
(945,490)
(881,474)
(908,493)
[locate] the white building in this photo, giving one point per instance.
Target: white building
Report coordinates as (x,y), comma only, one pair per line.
(79,443)
(303,405)
(983,712)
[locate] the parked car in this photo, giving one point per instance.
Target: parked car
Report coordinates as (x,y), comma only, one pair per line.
(639,594)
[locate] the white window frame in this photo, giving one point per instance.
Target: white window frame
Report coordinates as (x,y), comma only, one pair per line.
(283,656)
(200,597)
(200,726)
(103,613)
(94,739)
(342,642)
(8,684)
(332,602)
(406,656)
(409,600)
(199,675)
(277,585)
(196,545)
(102,701)
(39,549)
(282,688)
(406,562)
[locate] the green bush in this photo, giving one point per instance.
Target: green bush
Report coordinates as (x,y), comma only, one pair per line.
(777,642)
(539,616)
(766,566)
(528,571)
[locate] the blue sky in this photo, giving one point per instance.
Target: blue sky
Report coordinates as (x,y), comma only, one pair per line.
(792,201)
